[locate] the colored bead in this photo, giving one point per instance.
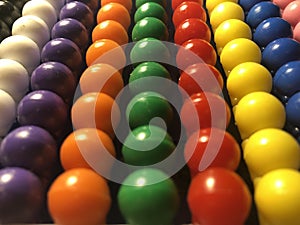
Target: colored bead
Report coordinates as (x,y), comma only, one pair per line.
(282,3)
(92,4)
(211,4)
(126,3)
(248,4)
(291,13)
(176,3)
(139,3)
(151,9)
(296,32)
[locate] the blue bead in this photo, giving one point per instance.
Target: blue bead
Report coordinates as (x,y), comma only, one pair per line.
(248,4)
(293,110)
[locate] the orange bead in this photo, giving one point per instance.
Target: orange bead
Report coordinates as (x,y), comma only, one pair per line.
(106,51)
(103,78)
(96,110)
(79,196)
(87,143)
(110,29)
(126,3)
(116,12)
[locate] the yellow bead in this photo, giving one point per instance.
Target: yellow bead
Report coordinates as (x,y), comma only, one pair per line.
(211,4)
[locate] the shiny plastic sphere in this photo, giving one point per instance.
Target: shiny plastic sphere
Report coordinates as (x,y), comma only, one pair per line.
(79,11)
(139,3)
(291,13)
(29,147)
(14,79)
(248,4)
(293,109)
(286,80)
(22,196)
(110,29)
(79,196)
(18,48)
(8,13)
(296,32)
(4,30)
(201,77)
(7,112)
(261,11)
(145,106)
(72,29)
(196,150)
(274,192)
(225,11)
(103,78)
(229,30)
(95,110)
(41,9)
(270,149)
(90,141)
(247,77)
(106,51)
(195,51)
(32,27)
(45,109)
(116,12)
(205,104)
(92,4)
(191,29)
(148,70)
(271,29)
(56,77)
(282,3)
(147,145)
(126,3)
(176,3)
(258,110)
(149,49)
(211,4)
(280,52)
(151,9)
(186,10)
(143,197)
(221,192)
(238,51)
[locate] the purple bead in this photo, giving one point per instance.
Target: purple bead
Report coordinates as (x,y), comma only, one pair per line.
(92,4)
(29,147)
(45,109)
(64,51)
(55,77)
(79,11)
(21,196)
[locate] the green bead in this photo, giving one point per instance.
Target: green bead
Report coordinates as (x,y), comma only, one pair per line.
(151,9)
(150,27)
(147,145)
(149,49)
(150,71)
(146,106)
(144,201)
(138,3)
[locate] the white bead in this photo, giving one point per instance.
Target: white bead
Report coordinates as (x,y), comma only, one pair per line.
(7,112)
(57,4)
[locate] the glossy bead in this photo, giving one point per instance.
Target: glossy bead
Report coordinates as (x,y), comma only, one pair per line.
(186,10)
(148,193)
(7,112)
(73,30)
(293,109)
(96,110)
(110,29)
(92,201)
(8,13)
(22,192)
(263,151)
(139,3)
(238,51)
(17,48)
(271,29)
(211,4)
(126,3)
(106,51)
(146,106)
(282,3)
(176,3)
(222,192)
(270,200)
(201,77)
(248,4)
(225,153)
(261,11)
(14,79)
(41,9)
(296,32)
(4,30)
(286,81)
(247,77)
(251,114)
(116,12)
(79,11)
(150,27)
(151,9)
(148,70)
(86,143)
(280,52)
(55,77)
(229,30)
(291,13)
(45,109)
(92,4)
(29,147)
(192,28)
(147,145)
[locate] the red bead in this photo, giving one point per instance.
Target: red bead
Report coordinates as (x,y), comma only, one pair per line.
(176,3)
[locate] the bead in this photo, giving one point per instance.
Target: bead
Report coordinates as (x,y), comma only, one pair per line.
(291,13)
(126,3)
(248,4)
(176,3)
(7,112)
(151,9)
(92,4)
(4,30)
(293,109)
(296,32)
(138,3)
